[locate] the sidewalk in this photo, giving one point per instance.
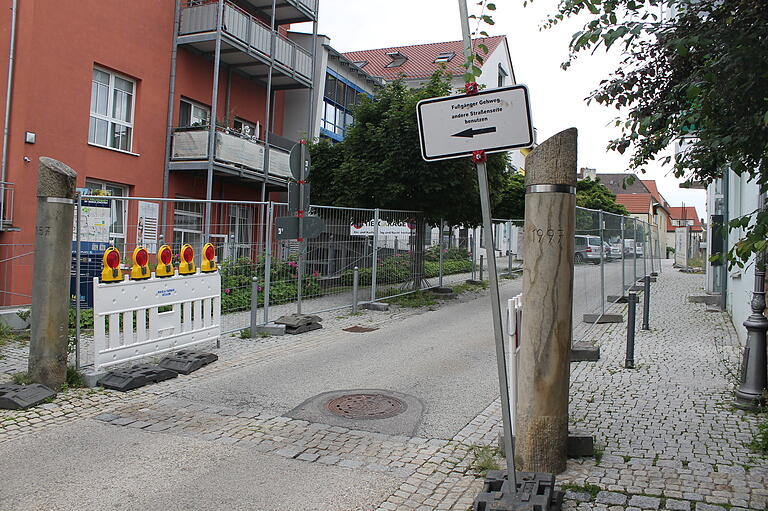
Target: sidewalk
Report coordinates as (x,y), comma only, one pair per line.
(667,435)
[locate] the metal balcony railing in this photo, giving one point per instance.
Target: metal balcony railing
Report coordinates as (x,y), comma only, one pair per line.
(248,31)
(230,148)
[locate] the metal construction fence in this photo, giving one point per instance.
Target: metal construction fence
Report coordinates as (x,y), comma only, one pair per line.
(612,253)
(263,277)
(391,252)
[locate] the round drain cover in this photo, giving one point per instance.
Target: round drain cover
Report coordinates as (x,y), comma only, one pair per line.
(366,406)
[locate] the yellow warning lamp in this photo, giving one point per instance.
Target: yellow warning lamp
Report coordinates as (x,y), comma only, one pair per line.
(187,265)
(111,271)
(209,254)
(140,270)
(165,262)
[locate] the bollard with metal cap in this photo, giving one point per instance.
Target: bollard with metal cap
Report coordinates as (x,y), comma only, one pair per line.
(646,301)
(254,305)
(629,361)
(481,268)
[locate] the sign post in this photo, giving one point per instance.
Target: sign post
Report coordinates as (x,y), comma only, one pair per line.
(473,125)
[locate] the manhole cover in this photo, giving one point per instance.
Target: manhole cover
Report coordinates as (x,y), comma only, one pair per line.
(357,329)
(366,406)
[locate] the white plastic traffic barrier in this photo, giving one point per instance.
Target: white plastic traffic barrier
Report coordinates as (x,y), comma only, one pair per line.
(514,324)
(128,323)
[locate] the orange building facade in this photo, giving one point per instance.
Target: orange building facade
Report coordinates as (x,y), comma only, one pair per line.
(96,82)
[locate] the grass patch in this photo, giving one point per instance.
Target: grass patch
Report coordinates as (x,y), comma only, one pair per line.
(245,333)
(74,379)
(21,378)
(590,489)
(599,451)
(759,442)
(469,286)
(416,299)
(10,336)
(485,459)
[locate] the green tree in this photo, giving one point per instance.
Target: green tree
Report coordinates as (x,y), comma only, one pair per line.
(379,163)
(511,198)
(699,70)
(595,195)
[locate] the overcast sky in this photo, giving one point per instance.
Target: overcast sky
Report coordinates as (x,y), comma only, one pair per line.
(557,96)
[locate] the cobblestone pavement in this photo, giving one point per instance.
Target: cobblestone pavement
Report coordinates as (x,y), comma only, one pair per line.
(667,436)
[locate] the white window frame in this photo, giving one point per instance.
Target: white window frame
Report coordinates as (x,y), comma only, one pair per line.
(192,105)
(255,128)
(184,232)
(117,238)
(110,106)
(242,234)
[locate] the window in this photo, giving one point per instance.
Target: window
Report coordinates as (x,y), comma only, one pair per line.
(188,225)
(240,228)
(193,114)
(445,56)
(246,128)
(112,104)
(398,59)
(118,214)
(340,97)
(502,76)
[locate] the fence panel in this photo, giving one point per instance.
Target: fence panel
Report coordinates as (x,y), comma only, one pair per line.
(588,267)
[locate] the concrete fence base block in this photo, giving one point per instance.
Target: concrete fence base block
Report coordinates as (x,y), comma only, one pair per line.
(92,377)
(473,281)
(635,289)
(653,279)
(585,352)
(616,299)
(442,290)
(709,299)
(270,329)
(654,274)
(376,306)
(580,444)
(603,318)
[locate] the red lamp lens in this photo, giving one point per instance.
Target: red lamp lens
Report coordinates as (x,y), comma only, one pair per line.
(142,257)
(209,252)
(113,259)
(165,256)
(189,254)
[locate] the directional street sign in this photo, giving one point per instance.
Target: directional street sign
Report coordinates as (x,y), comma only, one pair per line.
(298,158)
(288,227)
(493,120)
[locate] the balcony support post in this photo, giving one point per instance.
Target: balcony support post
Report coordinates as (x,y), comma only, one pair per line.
(212,123)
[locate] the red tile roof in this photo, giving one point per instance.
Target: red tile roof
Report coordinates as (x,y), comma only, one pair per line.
(421,58)
(651,185)
(684,213)
(637,203)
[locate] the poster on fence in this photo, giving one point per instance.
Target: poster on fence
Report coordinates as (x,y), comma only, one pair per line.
(146,226)
(95,217)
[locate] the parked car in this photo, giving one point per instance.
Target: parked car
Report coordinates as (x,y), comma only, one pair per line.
(588,249)
(611,252)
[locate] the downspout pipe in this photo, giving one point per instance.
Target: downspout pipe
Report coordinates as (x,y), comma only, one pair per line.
(8,96)
(169,129)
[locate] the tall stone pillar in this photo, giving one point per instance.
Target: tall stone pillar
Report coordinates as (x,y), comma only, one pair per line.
(543,375)
(50,281)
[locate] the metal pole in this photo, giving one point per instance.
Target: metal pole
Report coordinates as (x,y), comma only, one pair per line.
(440,245)
(78,235)
(472,255)
(254,305)
(485,206)
(602,263)
(268,259)
(8,98)
(623,269)
(629,361)
(302,241)
(634,250)
(375,258)
(481,264)
(645,248)
(212,123)
(169,119)
(509,248)
(646,301)
(355,287)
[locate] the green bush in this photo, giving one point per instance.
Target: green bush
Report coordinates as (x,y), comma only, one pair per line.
(433,253)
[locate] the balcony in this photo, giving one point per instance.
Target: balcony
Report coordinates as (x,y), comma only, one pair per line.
(245,44)
(234,155)
(288,11)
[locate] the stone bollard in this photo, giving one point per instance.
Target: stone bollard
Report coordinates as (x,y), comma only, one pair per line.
(49,331)
(544,359)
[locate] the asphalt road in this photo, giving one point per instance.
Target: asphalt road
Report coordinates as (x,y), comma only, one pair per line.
(445,358)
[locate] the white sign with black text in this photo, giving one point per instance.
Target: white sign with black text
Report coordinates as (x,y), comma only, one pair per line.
(493,121)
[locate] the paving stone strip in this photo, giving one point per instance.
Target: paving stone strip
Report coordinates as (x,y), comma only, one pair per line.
(667,436)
